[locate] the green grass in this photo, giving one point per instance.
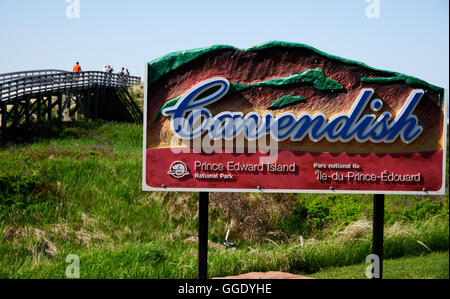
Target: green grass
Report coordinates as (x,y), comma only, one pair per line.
(75,188)
(432,266)
(173,259)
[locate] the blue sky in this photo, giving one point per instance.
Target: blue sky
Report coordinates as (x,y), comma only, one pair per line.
(411,36)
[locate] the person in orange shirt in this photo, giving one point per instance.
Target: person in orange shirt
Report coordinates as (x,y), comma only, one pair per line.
(77,68)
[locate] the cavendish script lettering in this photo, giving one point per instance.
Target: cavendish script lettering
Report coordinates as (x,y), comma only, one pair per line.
(190,118)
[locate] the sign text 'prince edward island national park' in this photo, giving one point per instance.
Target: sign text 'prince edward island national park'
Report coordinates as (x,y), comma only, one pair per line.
(284,117)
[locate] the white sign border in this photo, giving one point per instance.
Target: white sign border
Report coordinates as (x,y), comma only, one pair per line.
(145,187)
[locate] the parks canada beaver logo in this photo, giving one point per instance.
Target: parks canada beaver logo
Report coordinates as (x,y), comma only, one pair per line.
(178,170)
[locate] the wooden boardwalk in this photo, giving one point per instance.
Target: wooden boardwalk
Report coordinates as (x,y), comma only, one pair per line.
(45,95)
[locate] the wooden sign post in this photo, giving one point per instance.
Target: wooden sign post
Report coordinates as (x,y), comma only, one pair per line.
(378,231)
(203,235)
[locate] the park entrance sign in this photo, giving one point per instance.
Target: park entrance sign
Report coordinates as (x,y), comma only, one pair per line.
(283,117)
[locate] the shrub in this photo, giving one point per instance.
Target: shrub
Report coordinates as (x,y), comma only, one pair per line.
(423,209)
(344,209)
(26,195)
(319,212)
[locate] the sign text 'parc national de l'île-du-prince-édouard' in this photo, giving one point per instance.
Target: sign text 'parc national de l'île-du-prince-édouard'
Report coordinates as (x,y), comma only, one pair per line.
(284,117)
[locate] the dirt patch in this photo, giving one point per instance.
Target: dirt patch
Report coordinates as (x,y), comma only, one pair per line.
(94,152)
(90,232)
(211,245)
(251,217)
(37,239)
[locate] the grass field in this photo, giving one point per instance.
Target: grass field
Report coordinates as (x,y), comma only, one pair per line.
(75,188)
(432,266)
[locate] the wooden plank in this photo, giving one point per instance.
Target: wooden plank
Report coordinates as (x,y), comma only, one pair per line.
(33,108)
(87,110)
(27,110)
(73,112)
(67,103)
(49,107)
(16,115)
(39,108)
(59,101)
(96,104)
(21,113)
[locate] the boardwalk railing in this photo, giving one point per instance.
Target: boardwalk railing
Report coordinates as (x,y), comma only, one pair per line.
(16,75)
(49,81)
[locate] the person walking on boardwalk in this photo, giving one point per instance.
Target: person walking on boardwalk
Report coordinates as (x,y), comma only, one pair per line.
(106,71)
(77,70)
(122,76)
(127,74)
(110,71)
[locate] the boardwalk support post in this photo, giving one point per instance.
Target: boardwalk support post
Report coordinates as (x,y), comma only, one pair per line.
(39,108)
(60,106)
(4,119)
(49,107)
